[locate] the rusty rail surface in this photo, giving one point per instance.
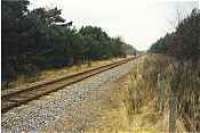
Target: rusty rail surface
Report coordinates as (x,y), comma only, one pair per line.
(14,99)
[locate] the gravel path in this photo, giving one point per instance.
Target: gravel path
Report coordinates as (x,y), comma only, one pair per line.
(46,111)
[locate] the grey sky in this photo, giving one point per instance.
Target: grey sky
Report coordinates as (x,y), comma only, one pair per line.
(138,22)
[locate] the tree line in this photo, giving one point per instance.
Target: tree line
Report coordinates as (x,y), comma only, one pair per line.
(42,39)
(184,43)
(182,72)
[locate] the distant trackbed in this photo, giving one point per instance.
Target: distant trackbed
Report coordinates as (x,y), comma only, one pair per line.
(16,98)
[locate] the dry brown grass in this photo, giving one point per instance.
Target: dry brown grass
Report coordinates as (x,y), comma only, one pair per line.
(131,107)
(174,88)
(141,105)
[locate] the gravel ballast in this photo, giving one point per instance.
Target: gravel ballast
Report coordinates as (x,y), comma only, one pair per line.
(39,114)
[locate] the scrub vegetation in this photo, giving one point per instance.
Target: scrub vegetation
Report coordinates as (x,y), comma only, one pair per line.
(178,71)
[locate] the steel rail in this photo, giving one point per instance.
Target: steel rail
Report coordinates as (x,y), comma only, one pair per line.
(25,95)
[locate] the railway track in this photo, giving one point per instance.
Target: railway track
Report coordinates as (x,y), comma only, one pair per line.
(19,97)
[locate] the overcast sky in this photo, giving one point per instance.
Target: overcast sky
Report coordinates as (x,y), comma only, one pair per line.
(138,22)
